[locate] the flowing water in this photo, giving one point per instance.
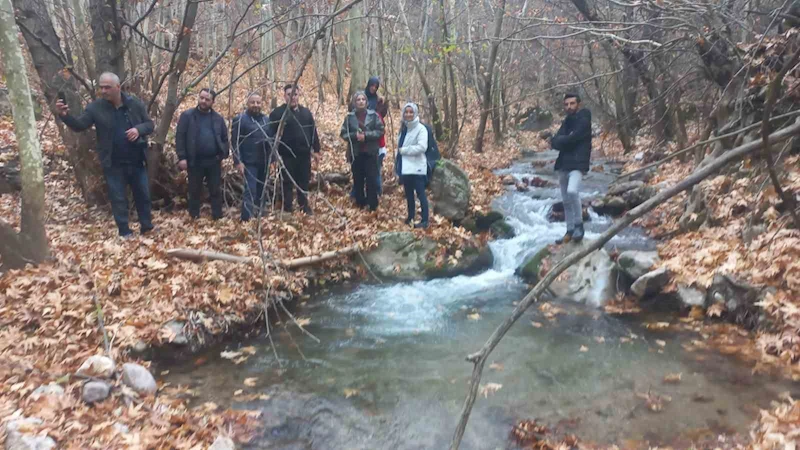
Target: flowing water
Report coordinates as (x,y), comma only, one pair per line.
(389,370)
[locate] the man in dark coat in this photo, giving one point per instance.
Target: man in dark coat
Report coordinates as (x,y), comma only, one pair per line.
(251,154)
(297,144)
(201,142)
(122,125)
(574,144)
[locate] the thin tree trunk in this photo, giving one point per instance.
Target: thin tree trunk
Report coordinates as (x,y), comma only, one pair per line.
(30,244)
(487,90)
(358,77)
(107,37)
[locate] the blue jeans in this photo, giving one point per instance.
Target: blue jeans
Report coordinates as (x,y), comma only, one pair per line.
(254,196)
(411,184)
(118,178)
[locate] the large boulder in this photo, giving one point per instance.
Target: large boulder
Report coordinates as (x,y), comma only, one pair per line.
(636,263)
(404,256)
(690,296)
(175,330)
(650,283)
(450,190)
(610,206)
(400,256)
(592,280)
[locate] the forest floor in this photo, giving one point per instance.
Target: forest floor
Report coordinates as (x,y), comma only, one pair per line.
(48,318)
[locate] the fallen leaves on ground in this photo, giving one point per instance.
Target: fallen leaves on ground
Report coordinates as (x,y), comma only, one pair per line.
(489,388)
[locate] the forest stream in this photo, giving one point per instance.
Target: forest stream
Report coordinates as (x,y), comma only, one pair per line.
(389,371)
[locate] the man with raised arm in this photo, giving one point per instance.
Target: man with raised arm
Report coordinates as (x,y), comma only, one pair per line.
(122,126)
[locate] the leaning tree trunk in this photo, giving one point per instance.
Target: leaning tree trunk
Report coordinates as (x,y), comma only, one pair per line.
(155,154)
(109,52)
(487,87)
(30,244)
(45,49)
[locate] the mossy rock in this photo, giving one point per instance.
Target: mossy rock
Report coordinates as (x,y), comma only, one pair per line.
(470,225)
(484,222)
(502,230)
(529,270)
(473,261)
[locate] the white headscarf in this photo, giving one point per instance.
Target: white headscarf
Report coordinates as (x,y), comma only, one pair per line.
(410,125)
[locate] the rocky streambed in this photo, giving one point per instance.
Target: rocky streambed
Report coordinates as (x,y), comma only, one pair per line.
(385,366)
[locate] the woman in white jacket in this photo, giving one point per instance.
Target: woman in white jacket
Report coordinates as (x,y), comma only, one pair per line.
(412,145)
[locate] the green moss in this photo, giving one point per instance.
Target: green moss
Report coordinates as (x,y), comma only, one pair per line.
(529,270)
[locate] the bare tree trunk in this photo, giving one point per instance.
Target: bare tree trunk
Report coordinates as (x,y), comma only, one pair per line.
(45,49)
(358,77)
(107,37)
(30,244)
(487,89)
(155,155)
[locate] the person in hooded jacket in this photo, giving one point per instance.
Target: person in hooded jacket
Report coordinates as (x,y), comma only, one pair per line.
(362,129)
(377,104)
(412,144)
(574,144)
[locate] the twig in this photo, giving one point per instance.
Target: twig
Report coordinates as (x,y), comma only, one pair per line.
(101,324)
(479,358)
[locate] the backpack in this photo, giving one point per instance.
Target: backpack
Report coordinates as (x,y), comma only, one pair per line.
(432,155)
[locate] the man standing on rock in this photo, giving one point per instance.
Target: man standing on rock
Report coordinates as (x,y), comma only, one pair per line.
(122,124)
(298,143)
(574,144)
(201,142)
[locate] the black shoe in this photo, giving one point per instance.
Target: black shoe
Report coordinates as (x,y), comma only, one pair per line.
(146,230)
(408,221)
(567,237)
(307,209)
(577,235)
(421,225)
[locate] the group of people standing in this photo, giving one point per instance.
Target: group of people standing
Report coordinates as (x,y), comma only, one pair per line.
(364,131)
(122,125)
(288,135)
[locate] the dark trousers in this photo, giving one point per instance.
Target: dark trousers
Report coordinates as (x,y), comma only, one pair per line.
(411,184)
(118,178)
(211,172)
(298,168)
(379,178)
(255,177)
(365,171)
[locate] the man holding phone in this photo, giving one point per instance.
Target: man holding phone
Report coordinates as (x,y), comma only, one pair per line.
(122,124)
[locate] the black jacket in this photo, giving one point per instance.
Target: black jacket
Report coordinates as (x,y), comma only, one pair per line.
(187,133)
(251,139)
(574,142)
(100,113)
(299,134)
(373,130)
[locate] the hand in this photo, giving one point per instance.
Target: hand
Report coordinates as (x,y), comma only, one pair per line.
(182,164)
(360,136)
(61,108)
(240,168)
(132,134)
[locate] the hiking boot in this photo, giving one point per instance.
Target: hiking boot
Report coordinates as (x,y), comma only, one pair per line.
(567,237)
(577,234)
(421,225)
(408,221)
(307,209)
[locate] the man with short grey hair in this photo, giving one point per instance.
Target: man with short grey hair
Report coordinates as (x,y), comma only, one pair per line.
(122,126)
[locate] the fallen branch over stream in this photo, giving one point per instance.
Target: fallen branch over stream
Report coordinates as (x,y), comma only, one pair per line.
(290,264)
(479,358)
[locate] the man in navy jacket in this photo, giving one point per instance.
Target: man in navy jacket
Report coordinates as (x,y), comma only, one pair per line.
(122,125)
(201,142)
(574,144)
